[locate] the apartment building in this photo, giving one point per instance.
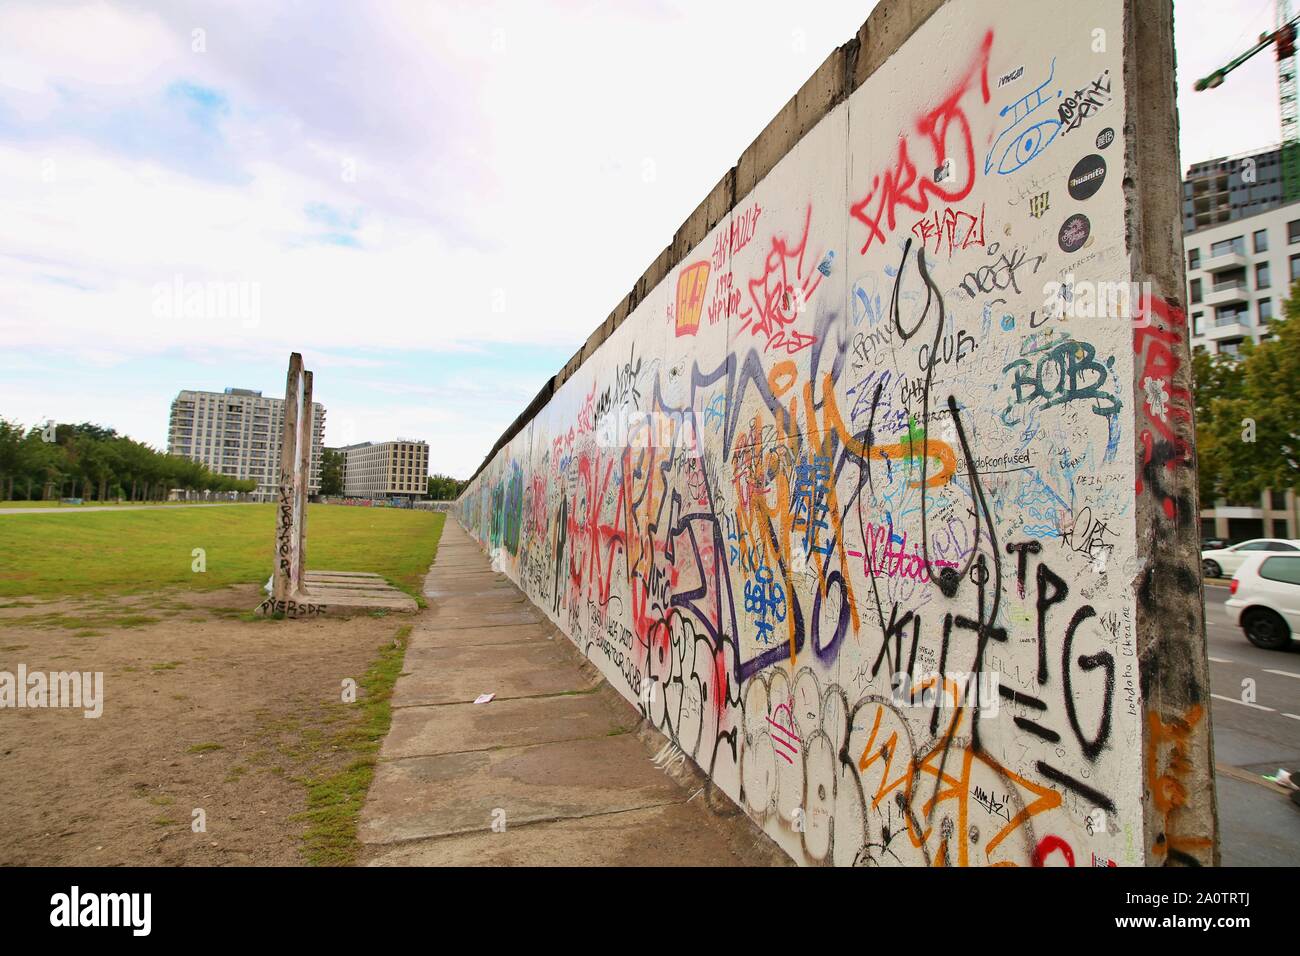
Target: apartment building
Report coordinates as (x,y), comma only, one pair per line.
(1232,187)
(1238,274)
(1243,253)
(386,469)
(238,433)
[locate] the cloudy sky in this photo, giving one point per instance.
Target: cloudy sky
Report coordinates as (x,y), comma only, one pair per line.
(434,201)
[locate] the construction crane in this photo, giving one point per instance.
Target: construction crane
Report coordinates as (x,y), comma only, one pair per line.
(1284,36)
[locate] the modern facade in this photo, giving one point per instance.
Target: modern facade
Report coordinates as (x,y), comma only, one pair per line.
(1272,516)
(386,469)
(238,433)
(1231,187)
(1238,274)
(1243,252)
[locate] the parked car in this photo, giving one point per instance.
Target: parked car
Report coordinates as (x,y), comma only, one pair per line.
(1224,562)
(1266,598)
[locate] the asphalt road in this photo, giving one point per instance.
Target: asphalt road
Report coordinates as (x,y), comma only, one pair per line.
(1258,825)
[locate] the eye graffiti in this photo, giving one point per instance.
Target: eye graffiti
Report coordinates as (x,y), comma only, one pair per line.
(1026,135)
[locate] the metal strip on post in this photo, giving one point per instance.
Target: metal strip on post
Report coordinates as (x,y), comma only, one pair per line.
(302,481)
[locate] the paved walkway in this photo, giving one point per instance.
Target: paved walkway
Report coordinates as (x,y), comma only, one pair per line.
(69,509)
(557,762)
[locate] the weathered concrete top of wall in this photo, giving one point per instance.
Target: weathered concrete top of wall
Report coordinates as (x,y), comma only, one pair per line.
(848,67)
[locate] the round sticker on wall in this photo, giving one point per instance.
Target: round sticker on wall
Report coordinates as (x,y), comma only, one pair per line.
(1074,233)
(1105,138)
(1086,177)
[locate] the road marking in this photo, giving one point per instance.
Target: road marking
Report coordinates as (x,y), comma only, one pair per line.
(1220,660)
(1281,673)
(1292,716)
(1233,700)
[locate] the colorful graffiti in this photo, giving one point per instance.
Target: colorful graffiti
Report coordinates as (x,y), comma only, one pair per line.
(821,473)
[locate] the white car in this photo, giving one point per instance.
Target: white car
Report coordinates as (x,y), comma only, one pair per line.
(1266,599)
(1224,562)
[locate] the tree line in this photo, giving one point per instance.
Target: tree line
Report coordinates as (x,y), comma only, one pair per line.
(92,462)
(440,487)
(445,488)
(1248,414)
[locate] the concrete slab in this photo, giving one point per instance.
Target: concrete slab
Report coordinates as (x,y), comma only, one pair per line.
(455,675)
(466,592)
(654,836)
(332,601)
(565,758)
(340,589)
(476,605)
(429,731)
(431,635)
(458,792)
(462,617)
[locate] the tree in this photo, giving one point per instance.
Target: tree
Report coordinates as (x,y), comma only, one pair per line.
(1248,430)
(444,488)
(99,463)
(331,472)
(1218,378)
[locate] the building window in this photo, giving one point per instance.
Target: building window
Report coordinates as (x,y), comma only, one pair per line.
(1295,268)
(1293,231)
(1227,246)
(1196,290)
(1196,323)
(1261,275)
(1193,258)
(1265,310)
(1229,314)
(1261,240)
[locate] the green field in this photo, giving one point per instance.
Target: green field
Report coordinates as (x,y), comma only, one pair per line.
(95,553)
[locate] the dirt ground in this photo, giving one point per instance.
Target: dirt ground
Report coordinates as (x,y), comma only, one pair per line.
(202,710)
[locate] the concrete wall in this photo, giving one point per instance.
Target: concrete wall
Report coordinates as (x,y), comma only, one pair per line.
(850,427)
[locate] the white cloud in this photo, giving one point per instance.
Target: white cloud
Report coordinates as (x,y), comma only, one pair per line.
(471,153)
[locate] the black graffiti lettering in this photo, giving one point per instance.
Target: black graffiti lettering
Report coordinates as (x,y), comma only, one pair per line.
(1022,550)
(1088,662)
(1060,590)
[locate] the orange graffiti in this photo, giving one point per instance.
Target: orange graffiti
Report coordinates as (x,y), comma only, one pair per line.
(948,786)
(690,296)
(1167,789)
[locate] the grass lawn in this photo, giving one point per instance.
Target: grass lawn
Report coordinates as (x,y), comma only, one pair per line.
(95,553)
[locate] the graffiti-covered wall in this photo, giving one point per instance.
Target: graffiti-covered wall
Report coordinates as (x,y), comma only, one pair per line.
(845,503)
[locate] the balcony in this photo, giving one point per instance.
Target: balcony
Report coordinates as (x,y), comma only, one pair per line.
(1228,330)
(1225,261)
(1227,294)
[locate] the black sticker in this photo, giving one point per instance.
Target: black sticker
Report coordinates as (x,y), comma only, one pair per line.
(1074,232)
(1086,177)
(1105,138)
